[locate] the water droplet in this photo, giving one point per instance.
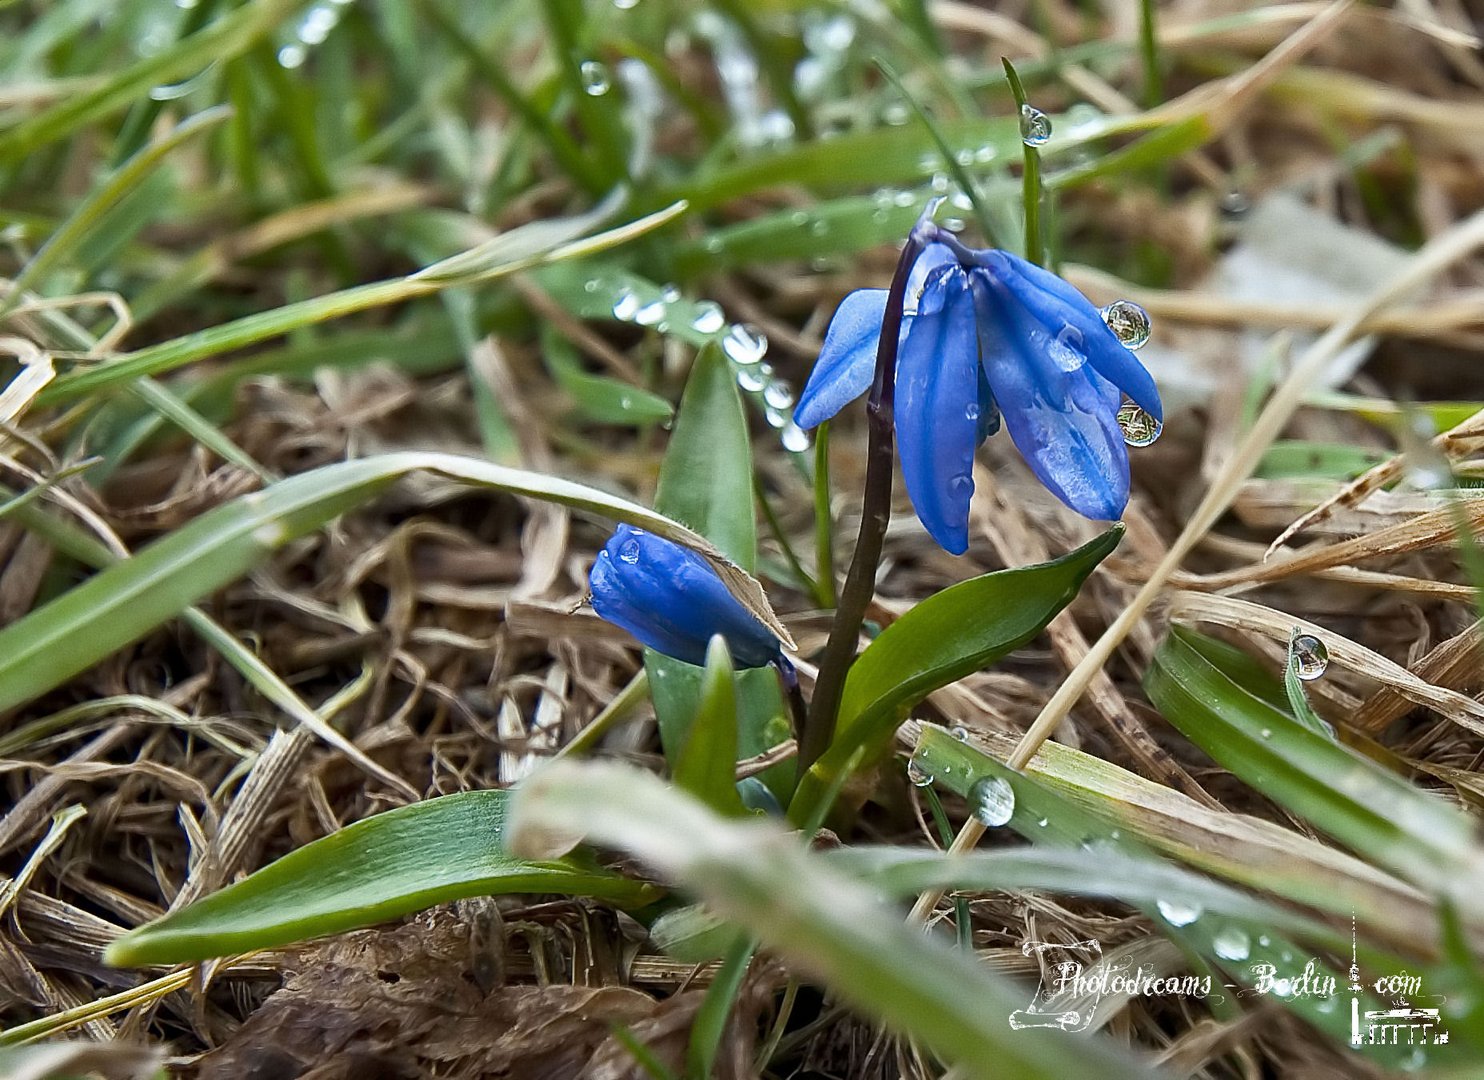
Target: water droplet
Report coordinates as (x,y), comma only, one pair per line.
(940,183)
(1325,1005)
(1266,733)
(625,5)
(709,318)
(1044,822)
(745,344)
(713,244)
(1067,350)
(820,227)
(993,801)
(959,732)
(971,411)
(1129,323)
(292,56)
(625,305)
(985,154)
(794,437)
(317,24)
(1139,427)
(1231,943)
(904,198)
(1035,126)
(1309,656)
(670,294)
(961,486)
(594,78)
(650,313)
(752,380)
(1234,205)
(894,114)
(590,285)
(964,157)
(917,775)
(629,553)
(778,394)
(954,224)
(1179,912)
(775,417)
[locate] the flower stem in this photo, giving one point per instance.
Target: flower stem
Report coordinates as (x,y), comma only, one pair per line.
(824,524)
(860,580)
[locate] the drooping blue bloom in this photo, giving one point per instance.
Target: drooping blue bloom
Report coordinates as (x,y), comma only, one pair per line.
(986,336)
(669,598)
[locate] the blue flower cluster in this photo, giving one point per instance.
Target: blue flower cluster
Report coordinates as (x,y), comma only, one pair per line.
(986,335)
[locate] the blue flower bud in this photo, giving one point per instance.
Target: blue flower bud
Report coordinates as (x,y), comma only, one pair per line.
(669,598)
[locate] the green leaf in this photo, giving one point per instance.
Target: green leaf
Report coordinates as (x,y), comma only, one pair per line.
(1227,705)
(707,765)
(819,921)
(949,635)
(706,482)
(1231,931)
(386,866)
(606,400)
(133,596)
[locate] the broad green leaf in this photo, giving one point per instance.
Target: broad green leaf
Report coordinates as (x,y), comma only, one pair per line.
(949,635)
(386,866)
(1227,705)
(1249,851)
(133,596)
(707,765)
(706,482)
(1214,922)
(606,400)
(820,922)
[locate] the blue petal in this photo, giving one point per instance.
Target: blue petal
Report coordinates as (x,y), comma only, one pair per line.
(1064,422)
(847,362)
(1056,304)
(938,410)
(989,412)
(669,598)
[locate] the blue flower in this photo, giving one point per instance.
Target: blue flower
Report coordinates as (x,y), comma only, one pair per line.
(985,336)
(669,598)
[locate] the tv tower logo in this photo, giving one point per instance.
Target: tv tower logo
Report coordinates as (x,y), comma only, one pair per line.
(1402,1025)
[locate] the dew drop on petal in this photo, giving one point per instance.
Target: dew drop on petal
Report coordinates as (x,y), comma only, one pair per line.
(1067,350)
(1231,943)
(595,81)
(1139,427)
(745,344)
(794,437)
(971,411)
(709,318)
(1309,657)
(629,553)
(1129,322)
(1035,126)
(992,801)
(625,305)
(1179,912)
(917,776)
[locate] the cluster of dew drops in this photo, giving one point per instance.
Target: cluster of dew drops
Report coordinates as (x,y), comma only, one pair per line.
(744,346)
